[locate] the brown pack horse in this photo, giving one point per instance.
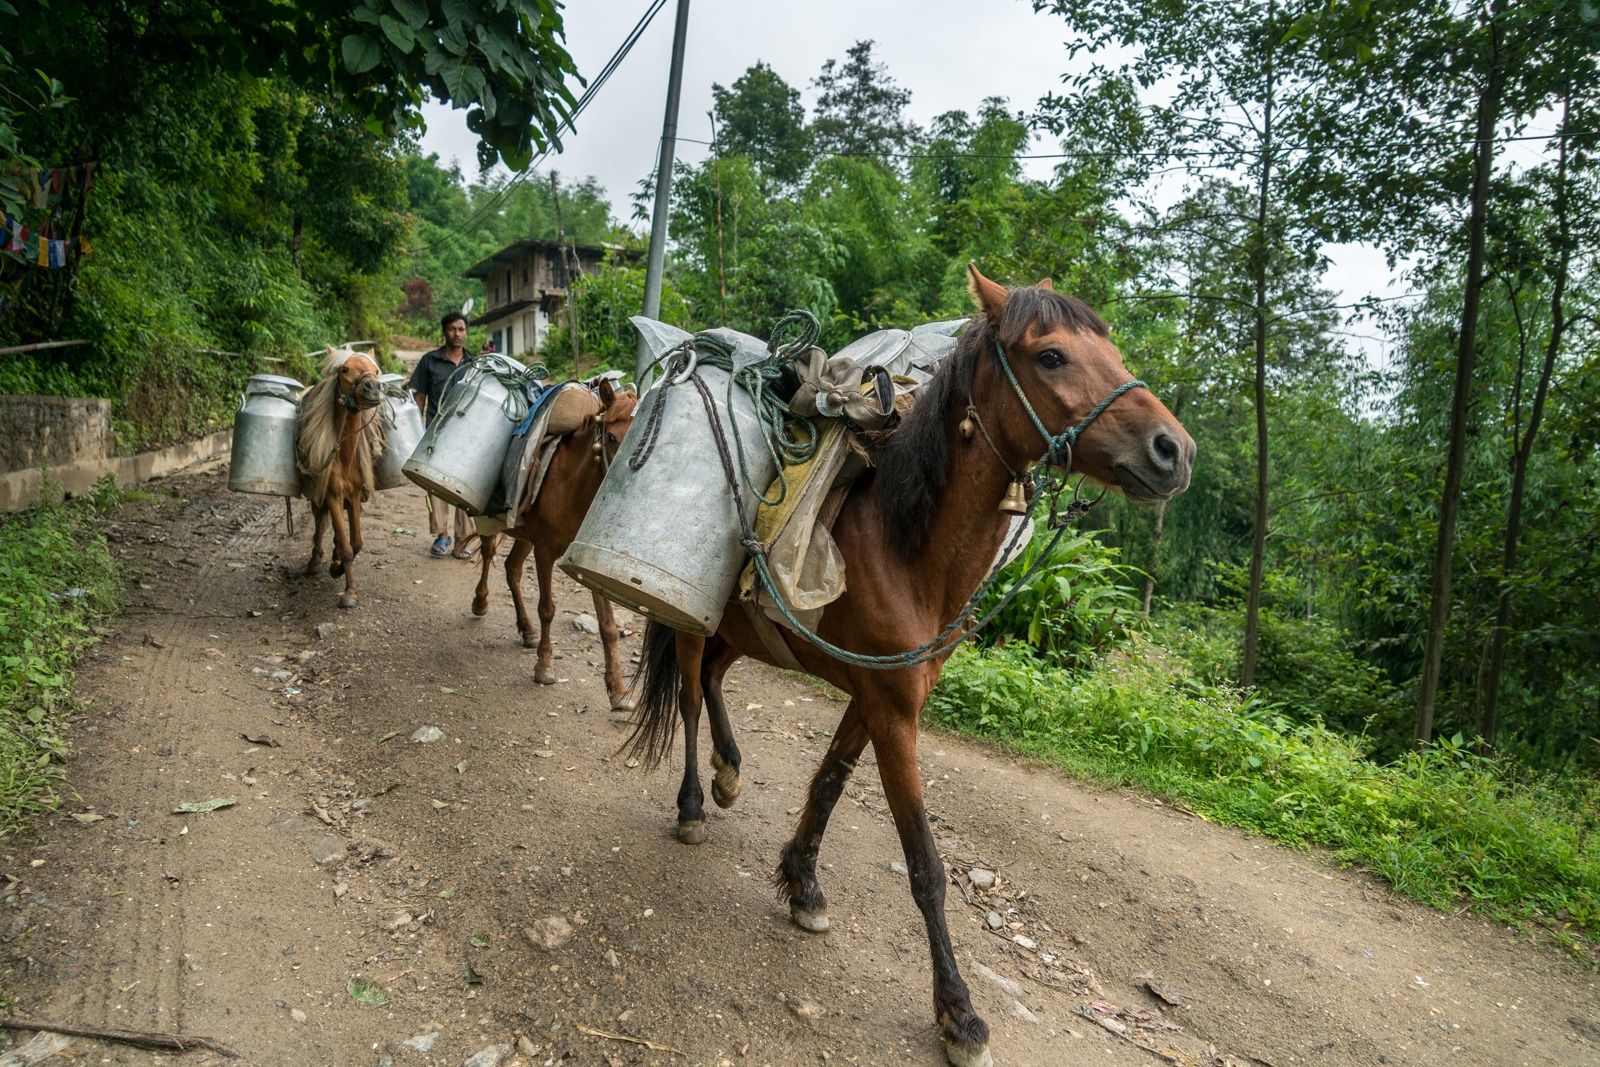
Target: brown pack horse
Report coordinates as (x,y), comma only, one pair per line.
(919,535)
(548,525)
(340,435)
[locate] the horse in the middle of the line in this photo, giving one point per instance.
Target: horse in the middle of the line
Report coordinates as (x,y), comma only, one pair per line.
(548,523)
(340,435)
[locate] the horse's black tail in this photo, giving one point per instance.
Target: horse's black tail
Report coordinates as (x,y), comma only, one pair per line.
(657,683)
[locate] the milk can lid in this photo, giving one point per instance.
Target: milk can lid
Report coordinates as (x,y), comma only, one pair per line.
(274,379)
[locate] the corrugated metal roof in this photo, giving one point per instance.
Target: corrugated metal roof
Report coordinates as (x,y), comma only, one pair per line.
(522,245)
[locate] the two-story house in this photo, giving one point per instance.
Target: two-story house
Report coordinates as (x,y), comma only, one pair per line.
(525,287)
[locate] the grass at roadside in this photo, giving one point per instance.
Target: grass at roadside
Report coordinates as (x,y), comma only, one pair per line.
(1447,827)
(55,574)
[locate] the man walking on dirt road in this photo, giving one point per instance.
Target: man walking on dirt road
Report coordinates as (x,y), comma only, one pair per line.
(427,385)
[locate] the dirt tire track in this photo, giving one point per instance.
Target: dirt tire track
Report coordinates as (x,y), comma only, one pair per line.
(519,813)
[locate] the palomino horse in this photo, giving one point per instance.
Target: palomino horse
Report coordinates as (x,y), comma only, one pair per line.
(918,536)
(550,522)
(340,435)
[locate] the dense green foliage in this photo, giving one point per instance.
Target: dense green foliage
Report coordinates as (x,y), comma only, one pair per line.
(254,186)
(1447,827)
(55,573)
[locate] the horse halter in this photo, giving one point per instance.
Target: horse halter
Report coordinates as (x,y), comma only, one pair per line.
(349,400)
(1058,447)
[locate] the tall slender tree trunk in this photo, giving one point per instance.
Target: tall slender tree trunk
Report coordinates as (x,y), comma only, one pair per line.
(1466,354)
(1523,449)
(1150,579)
(1258,541)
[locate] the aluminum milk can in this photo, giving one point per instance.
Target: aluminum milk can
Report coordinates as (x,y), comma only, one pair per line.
(262,456)
(461,453)
(402,432)
(664,540)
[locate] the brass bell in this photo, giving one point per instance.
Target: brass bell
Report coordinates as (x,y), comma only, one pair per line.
(967,426)
(1016,499)
(598,448)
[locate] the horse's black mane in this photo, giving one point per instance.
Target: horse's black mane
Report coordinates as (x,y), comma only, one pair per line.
(915,462)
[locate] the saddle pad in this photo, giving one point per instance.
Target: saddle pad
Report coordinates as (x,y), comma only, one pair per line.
(523,455)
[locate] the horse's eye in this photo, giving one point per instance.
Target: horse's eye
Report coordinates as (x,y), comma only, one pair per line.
(1050,359)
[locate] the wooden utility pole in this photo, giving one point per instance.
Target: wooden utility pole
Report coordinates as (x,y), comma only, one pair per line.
(567,275)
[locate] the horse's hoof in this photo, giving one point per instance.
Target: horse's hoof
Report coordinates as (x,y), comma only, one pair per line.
(622,702)
(531,640)
(480,608)
(727,785)
(806,919)
(545,676)
(335,569)
(348,601)
(692,833)
(961,1054)
(313,567)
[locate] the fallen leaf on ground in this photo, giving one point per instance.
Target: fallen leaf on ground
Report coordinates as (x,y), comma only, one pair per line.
(471,976)
(437,804)
(366,991)
(387,736)
(479,941)
(448,894)
(87,817)
(192,807)
(261,739)
(461,768)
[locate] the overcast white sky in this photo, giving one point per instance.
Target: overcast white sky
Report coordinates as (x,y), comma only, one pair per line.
(950,53)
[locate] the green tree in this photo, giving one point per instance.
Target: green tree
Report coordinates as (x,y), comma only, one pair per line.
(860,110)
(761,117)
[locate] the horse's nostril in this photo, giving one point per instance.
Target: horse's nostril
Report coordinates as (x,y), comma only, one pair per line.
(1164,450)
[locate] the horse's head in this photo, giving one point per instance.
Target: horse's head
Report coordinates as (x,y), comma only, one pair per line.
(358,378)
(611,424)
(1066,365)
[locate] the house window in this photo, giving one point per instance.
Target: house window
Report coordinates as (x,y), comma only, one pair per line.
(524,273)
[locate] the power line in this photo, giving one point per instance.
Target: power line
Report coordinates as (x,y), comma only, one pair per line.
(588,96)
(1190,154)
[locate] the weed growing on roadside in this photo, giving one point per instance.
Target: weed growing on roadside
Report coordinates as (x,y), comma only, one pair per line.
(55,574)
(1446,827)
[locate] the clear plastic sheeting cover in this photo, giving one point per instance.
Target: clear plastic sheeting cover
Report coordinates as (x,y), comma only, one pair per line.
(914,353)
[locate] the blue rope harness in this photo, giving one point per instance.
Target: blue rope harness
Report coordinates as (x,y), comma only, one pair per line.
(1058,453)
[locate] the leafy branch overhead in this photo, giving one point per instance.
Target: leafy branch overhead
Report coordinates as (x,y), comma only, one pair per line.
(504,61)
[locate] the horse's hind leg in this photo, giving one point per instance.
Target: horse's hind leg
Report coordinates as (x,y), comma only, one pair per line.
(727,785)
(796,877)
(691,799)
(544,561)
(314,564)
(965,1034)
(616,688)
(480,596)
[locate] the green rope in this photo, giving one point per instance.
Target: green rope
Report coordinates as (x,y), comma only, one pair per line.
(519,382)
(789,438)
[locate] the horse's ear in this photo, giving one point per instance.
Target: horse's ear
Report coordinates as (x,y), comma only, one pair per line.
(608,395)
(991,296)
(1047,285)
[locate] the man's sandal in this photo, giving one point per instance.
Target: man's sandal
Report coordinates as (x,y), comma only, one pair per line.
(441,547)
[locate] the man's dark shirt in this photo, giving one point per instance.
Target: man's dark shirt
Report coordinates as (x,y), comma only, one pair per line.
(432,375)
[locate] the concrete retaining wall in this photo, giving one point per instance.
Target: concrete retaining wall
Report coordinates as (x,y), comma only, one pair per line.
(53,431)
(20,488)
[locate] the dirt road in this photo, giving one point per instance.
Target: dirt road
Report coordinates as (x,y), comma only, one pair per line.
(355,855)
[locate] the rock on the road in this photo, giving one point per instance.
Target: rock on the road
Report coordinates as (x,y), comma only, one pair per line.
(586,624)
(549,933)
(422,735)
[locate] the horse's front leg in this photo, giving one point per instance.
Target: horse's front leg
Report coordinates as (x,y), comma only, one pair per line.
(796,877)
(691,798)
(480,596)
(343,555)
(544,561)
(314,564)
(965,1034)
(728,784)
(616,688)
